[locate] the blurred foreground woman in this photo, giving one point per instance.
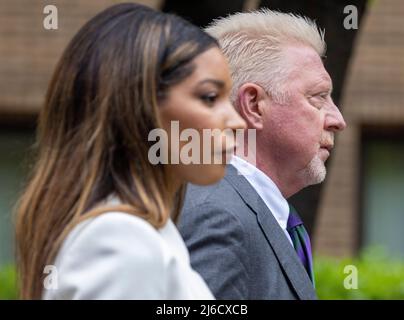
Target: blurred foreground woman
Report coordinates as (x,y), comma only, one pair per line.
(95,206)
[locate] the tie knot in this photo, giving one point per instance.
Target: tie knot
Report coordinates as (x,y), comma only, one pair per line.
(293,219)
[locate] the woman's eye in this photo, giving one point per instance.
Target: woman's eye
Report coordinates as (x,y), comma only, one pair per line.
(209,98)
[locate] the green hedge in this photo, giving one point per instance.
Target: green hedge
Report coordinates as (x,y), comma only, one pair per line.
(8,283)
(379,277)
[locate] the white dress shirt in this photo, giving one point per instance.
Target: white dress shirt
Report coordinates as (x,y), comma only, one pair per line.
(120,256)
(267,190)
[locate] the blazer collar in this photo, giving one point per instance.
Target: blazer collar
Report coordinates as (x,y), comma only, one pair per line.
(285,253)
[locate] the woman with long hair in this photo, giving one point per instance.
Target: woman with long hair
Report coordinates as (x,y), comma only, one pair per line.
(97,215)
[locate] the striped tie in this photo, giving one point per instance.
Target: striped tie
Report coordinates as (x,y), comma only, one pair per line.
(301,241)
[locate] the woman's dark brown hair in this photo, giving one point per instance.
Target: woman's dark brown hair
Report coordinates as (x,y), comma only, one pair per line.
(100,106)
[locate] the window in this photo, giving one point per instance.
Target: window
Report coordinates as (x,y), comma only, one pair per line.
(383,190)
(14,148)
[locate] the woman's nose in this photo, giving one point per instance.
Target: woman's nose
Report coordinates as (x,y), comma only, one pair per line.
(233,119)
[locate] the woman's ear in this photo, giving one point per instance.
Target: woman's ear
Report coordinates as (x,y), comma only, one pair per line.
(251,100)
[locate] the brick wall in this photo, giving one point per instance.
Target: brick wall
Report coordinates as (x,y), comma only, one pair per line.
(374,95)
(374,91)
(29,52)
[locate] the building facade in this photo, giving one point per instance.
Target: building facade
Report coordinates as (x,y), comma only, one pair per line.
(362,204)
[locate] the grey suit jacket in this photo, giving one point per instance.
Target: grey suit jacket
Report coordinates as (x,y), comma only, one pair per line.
(237,245)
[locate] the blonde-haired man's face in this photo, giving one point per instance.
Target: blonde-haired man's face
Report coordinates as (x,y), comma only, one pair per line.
(298,135)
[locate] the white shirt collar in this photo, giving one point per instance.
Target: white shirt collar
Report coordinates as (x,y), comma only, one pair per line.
(266,189)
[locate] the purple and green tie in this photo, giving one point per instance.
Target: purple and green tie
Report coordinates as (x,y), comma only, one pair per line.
(301,241)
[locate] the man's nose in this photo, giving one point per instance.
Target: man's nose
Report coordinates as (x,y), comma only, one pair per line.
(334,121)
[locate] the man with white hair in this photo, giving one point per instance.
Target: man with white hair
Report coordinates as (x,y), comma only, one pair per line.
(244,238)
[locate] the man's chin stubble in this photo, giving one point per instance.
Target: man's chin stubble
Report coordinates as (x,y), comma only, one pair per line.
(315,172)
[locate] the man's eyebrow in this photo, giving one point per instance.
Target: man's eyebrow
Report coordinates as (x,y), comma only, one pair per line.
(219,83)
(330,87)
(324,83)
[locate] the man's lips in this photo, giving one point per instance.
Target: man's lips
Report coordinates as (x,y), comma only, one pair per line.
(326,150)
(328,147)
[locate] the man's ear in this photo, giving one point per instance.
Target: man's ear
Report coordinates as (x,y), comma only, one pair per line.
(251,100)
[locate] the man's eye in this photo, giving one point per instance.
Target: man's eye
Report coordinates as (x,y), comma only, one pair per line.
(323,96)
(209,98)
(317,101)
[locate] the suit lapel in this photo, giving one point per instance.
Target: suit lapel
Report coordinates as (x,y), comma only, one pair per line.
(284,251)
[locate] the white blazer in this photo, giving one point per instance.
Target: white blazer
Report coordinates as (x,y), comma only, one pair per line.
(120,256)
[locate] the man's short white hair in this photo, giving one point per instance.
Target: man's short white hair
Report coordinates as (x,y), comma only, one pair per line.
(253,43)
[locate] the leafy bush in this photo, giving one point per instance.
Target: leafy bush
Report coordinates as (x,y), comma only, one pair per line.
(8,283)
(379,276)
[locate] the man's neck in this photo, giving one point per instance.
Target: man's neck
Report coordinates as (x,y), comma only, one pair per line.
(286,181)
